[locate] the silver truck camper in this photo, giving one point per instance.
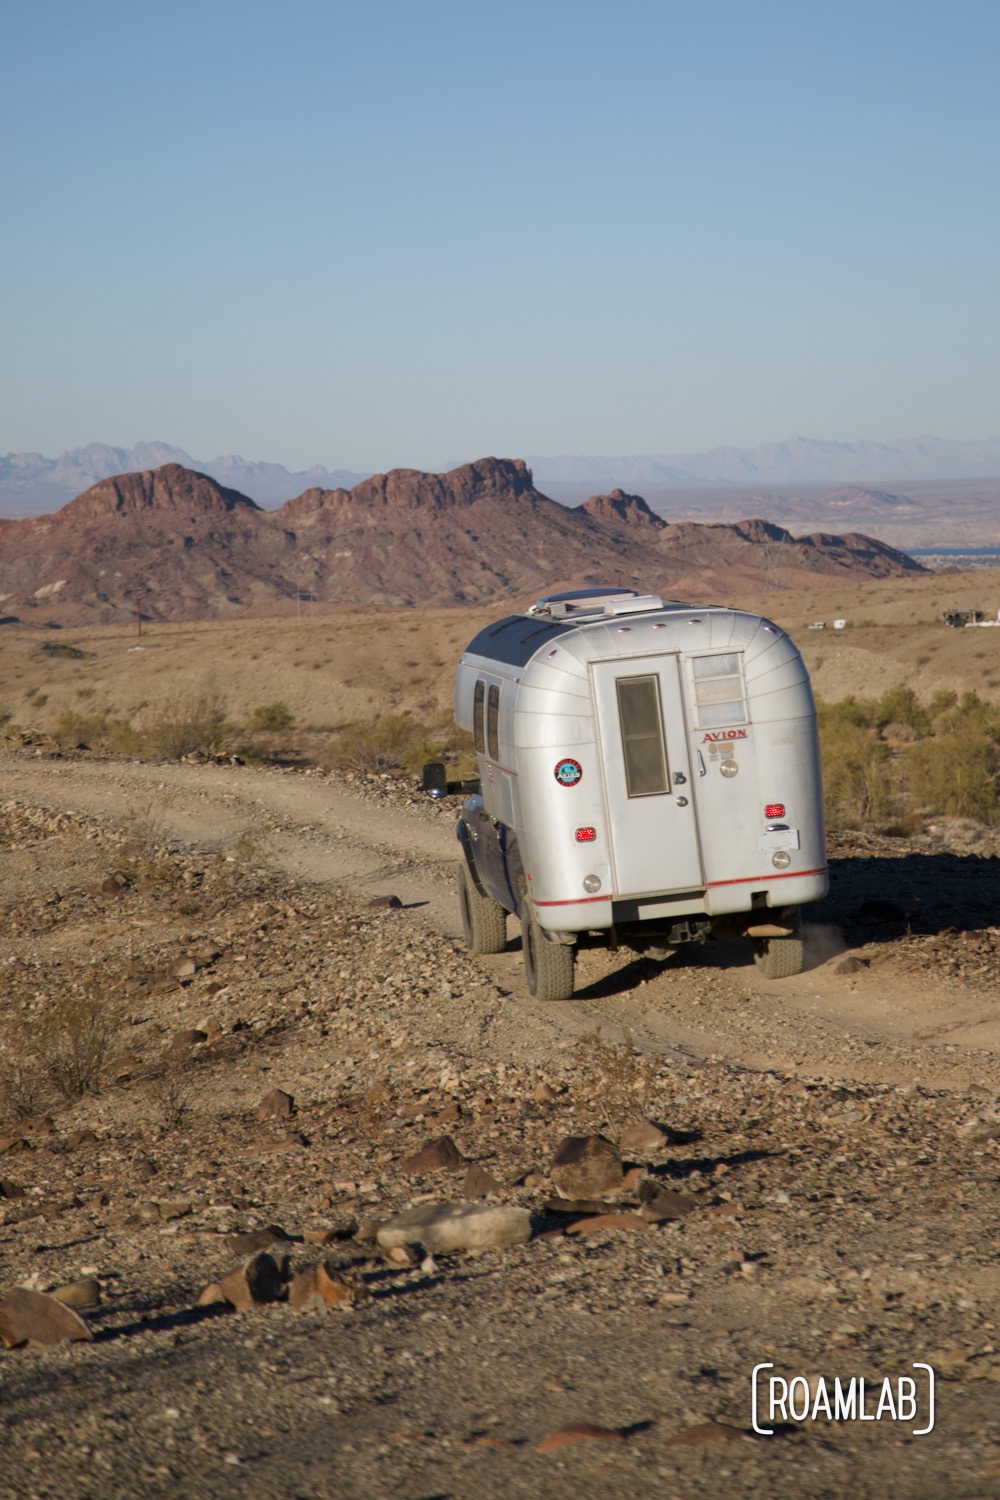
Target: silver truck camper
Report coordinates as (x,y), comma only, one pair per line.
(648,775)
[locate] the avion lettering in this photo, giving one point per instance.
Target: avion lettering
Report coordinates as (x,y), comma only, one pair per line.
(716,736)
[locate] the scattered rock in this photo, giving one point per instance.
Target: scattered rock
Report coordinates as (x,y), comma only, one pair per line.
(12,1145)
(184,968)
(585,1166)
(80,1138)
(28,1317)
(10,1189)
(440,1155)
(320,1236)
(663,1203)
(257,1240)
(85,1293)
(317,1286)
(705,1432)
(182,1041)
(212,1295)
(578,1432)
(174,1208)
(388,903)
(479,1183)
(579,1206)
(852,964)
(595,1224)
(446,1227)
(253,1284)
(642,1137)
(277,1105)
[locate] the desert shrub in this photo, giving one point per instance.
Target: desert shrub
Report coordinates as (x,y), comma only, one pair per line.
(900,705)
(858,786)
(97,731)
(953,769)
(187,725)
(616,1075)
(79,1039)
(271,716)
(941,701)
(956,775)
(391,742)
(20,1086)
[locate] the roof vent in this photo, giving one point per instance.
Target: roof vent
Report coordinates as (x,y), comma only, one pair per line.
(579,603)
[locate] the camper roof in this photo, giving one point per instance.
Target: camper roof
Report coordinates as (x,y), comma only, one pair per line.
(600,601)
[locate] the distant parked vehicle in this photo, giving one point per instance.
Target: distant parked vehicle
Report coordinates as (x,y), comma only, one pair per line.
(648,776)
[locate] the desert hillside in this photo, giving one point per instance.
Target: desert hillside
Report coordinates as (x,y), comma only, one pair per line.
(172,544)
(330,666)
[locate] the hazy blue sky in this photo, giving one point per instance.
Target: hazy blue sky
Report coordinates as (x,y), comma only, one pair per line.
(397,232)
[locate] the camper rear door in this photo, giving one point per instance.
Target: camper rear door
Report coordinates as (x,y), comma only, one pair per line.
(647,775)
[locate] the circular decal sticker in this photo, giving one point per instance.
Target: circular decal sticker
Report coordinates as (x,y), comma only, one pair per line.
(568,772)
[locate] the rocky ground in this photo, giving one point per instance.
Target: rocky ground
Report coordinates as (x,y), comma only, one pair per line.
(820,1190)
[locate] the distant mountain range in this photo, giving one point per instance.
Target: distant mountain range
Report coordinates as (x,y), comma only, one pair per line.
(797,461)
(171,544)
(31,483)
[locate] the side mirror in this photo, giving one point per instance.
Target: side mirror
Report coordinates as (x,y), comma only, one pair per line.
(435,780)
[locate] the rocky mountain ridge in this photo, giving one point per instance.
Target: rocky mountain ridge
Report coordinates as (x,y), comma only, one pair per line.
(32,482)
(170,543)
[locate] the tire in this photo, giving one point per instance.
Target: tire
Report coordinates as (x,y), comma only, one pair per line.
(484,920)
(780,957)
(548,967)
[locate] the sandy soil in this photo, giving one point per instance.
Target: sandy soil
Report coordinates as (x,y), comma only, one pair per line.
(835,1137)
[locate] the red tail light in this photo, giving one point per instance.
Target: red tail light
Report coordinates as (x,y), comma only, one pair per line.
(585,835)
(774,810)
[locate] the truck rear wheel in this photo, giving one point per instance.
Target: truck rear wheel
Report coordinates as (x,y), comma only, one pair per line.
(548,967)
(780,957)
(484,920)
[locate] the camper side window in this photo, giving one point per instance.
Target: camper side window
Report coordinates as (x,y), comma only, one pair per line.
(493,722)
(478,723)
(718,690)
(641,720)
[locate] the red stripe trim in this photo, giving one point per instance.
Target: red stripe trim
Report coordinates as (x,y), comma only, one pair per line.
(712,885)
(583,901)
(750,879)
(497,766)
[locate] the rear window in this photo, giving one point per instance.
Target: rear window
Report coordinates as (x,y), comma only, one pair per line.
(641,721)
(719,694)
(478,721)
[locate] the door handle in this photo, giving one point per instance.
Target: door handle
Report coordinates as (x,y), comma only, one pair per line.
(681,801)
(679,778)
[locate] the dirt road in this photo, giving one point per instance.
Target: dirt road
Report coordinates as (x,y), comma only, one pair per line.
(885,1022)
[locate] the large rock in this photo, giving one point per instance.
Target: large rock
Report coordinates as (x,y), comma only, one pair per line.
(28,1317)
(439,1155)
(585,1166)
(447,1227)
(253,1284)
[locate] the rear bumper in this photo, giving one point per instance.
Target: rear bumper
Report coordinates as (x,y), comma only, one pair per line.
(718,899)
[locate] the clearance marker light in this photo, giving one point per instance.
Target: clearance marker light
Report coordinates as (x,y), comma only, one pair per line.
(774,810)
(585,835)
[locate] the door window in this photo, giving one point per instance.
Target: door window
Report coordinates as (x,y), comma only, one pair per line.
(478,703)
(641,721)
